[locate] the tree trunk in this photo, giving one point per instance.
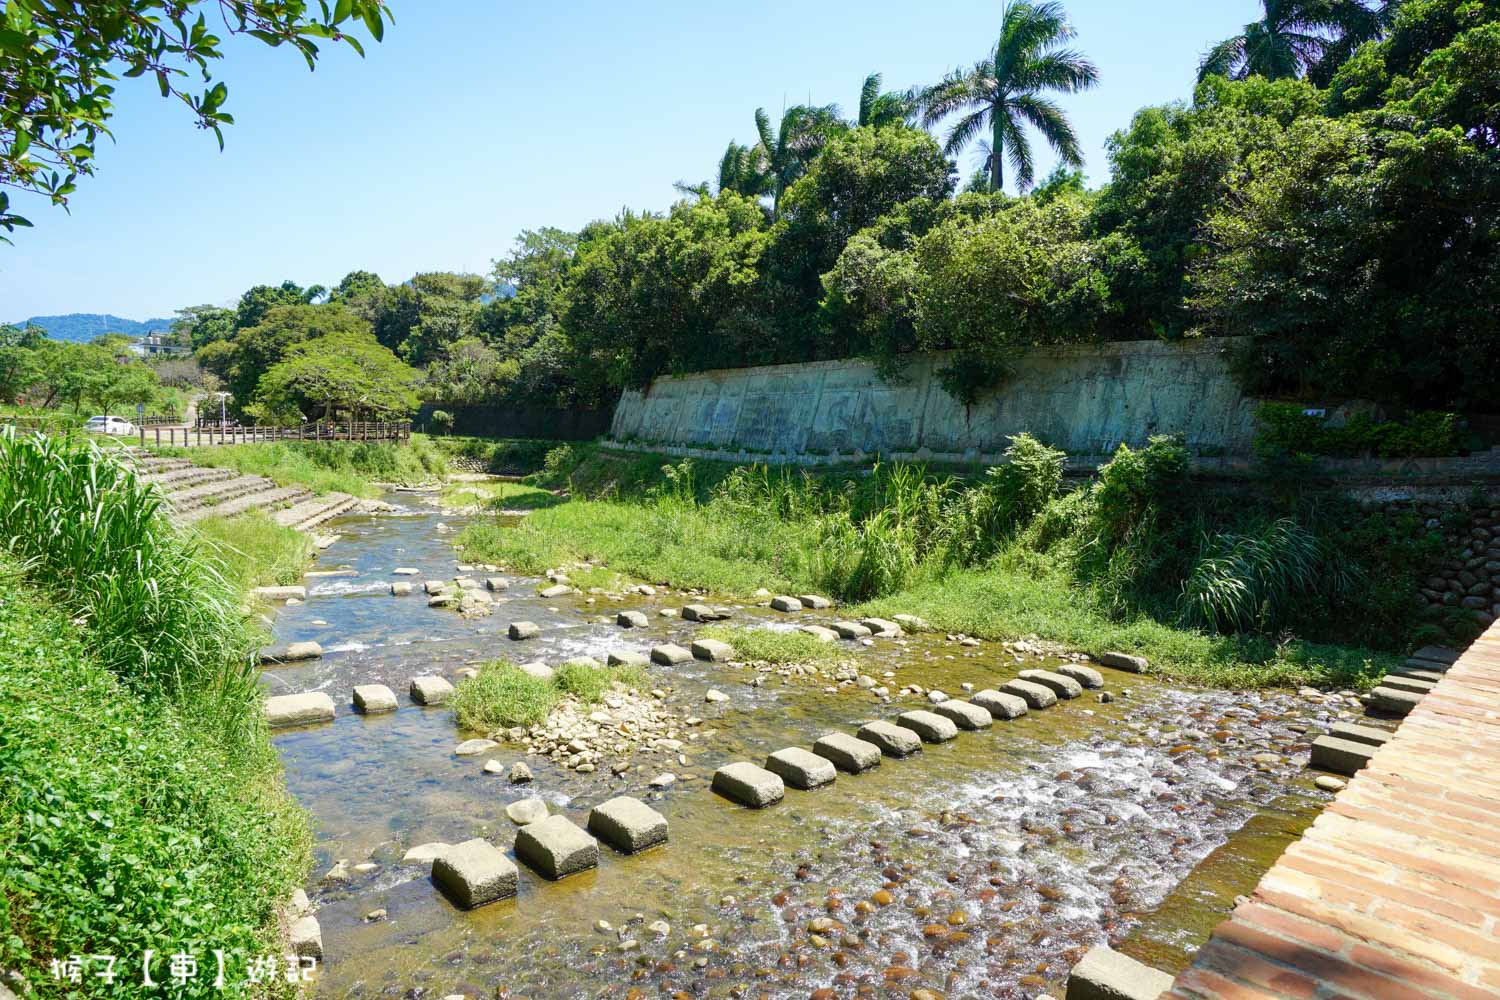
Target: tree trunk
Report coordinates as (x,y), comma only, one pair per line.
(997,150)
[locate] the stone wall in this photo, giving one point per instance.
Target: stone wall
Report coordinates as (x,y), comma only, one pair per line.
(1468,578)
(1084,399)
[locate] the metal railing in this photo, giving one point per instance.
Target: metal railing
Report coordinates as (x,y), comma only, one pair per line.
(213,433)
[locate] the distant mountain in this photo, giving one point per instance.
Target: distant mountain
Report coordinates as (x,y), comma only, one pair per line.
(83,327)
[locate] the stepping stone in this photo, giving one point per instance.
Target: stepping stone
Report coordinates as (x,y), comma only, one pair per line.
(1404,683)
(582,662)
(280,593)
(292,652)
(523,630)
(883,627)
(893,740)
(1036,695)
(496,583)
(473,748)
(999,704)
(800,768)
(430,690)
(400,589)
(539,670)
(1064,687)
(1384,699)
(405,571)
(702,613)
(628,825)
(784,603)
(820,632)
(815,602)
(435,587)
(1127,662)
(1432,665)
(556,590)
(964,715)
(912,623)
(851,630)
(372,699)
(425,853)
(1329,753)
(443,600)
(631,619)
(305,937)
(667,654)
(1355,733)
(848,753)
(1087,676)
(1105,974)
(627,658)
(465,583)
(932,728)
(1419,674)
(749,785)
(298,709)
(712,650)
(525,811)
(556,847)
(1437,654)
(474,873)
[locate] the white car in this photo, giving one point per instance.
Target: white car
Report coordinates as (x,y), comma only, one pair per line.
(109,425)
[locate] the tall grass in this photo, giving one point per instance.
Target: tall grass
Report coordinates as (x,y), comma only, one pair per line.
(501,694)
(254,551)
(351,467)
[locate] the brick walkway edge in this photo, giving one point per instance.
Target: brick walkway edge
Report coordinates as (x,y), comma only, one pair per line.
(1394,892)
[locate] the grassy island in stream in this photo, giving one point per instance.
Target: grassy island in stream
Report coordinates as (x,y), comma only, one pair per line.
(1225,589)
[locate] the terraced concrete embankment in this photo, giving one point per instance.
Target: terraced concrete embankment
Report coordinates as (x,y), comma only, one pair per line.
(1393,891)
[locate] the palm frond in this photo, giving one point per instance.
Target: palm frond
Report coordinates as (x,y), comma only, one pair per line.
(1046,117)
(1018,151)
(868,95)
(967,129)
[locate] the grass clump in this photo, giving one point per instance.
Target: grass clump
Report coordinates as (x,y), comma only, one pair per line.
(774,645)
(499,496)
(352,467)
(590,684)
(502,695)
(255,551)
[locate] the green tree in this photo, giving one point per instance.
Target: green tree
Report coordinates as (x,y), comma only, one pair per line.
(59,63)
(1293,37)
(1003,93)
(742,170)
(197,326)
(243,361)
(260,300)
(784,154)
(878,108)
(344,371)
(418,319)
(17,349)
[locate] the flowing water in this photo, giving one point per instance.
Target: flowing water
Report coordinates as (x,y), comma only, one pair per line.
(983,867)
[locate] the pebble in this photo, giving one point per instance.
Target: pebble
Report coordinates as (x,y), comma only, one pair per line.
(375,915)
(1328,783)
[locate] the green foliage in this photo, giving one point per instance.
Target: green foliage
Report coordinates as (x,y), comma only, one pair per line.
(244,359)
(442,422)
(254,551)
(1010,496)
(501,695)
(352,467)
(1133,484)
(590,684)
(1284,429)
(59,64)
(774,646)
(1250,582)
(1293,38)
(342,372)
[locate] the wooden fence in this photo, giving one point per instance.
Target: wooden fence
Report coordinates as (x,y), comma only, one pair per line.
(206,434)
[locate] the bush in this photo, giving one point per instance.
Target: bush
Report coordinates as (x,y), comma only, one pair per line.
(1010,495)
(1252,582)
(1133,483)
(1284,429)
(442,422)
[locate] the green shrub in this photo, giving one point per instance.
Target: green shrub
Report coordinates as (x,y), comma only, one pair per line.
(590,684)
(1010,495)
(1285,429)
(1135,482)
(501,695)
(1252,582)
(442,422)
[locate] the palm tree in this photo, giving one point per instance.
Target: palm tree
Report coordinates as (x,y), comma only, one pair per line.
(1002,93)
(1294,37)
(742,171)
(801,136)
(877,109)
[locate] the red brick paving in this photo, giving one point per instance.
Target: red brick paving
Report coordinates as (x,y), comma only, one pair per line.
(1394,892)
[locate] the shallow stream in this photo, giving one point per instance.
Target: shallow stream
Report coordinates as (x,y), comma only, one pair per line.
(982,867)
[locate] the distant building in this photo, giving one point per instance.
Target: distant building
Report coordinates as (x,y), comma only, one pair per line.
(158,344)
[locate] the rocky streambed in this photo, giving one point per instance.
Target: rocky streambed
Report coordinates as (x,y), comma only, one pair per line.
(980,867)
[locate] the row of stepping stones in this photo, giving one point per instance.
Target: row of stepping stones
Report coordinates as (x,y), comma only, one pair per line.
(1347,747)
(367,699)
(757,787)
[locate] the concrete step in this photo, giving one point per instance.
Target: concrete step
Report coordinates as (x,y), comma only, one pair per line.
(155,465)
(264,500)
(218,492)
(177,480)
(310,513)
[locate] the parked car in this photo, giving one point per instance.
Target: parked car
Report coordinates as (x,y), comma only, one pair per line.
(109,425)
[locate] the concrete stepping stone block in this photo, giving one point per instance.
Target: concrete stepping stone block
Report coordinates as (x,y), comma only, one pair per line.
(628,825)
(475,873)
(964,714)
(1437,654)
(280,593)
(1128,662)
(801,768)
(556,847)
(1105,974)
(433,587)
(702,613)
(1329,753)
(627,658)
(1063,687)
(781,602)
(444,600)
(1036,695)
(425,853)
(1406,683)
(583,662)
(298,709)
(883,627)
(850,630)
(1433,665)
(401,589)
(465,583)
(523,630)
(1355,733)
(430,690)
(406,571)
(912,623)
(1384,699)
(893,740)
(292,652)
(539,670)
(749,785)
(820,632)
(668,654)
(555,591)
(306,937)
(496,583)
(931,727)
(712,650)
(999,704)
(1087,676)
(848,753)
(1417,673)
(372,699)
(632,619)
(814,601)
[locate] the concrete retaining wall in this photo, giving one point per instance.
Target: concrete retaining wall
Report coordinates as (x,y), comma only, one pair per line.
(1084,399)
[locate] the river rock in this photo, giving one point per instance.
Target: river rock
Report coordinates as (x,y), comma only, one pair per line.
(820,632)
(1063,687)
(1087,676)
(475,873)
(932,728)
(800,768)
(749,785)
(632,619)
(538,669)
(526,811)
(850,630)
(298,709)
(702,613)
(433,587)
(291,652)
(912,623)
(964,714)
(1127,662)
(668,654)
(523,630)
(715,696)
(815,602)
(473,748)
(883,627)
(713,650)
(893,740)
(782,602)
(556,590)
(627,658)
(999,704)
(374,698)
(401,589)
(405,571)
(493,766)
(424,853)
(306,937)
(556,847)
(1036,695)
(847,752)
(520,774)
(280,593)
(628,825)
(496,583)
(430,690)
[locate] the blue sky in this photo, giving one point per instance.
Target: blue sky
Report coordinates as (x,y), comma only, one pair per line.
(475,120)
